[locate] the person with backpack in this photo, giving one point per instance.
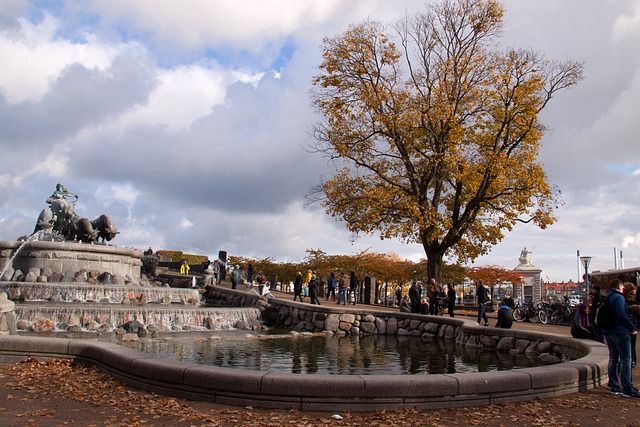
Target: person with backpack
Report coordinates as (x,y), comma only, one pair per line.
(618,337)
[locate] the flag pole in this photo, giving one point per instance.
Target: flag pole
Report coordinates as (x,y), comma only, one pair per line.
(578,264)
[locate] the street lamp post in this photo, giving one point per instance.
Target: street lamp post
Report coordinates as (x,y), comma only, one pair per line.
(585,262)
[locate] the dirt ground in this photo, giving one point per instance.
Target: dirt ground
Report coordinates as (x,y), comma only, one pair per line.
(64,393)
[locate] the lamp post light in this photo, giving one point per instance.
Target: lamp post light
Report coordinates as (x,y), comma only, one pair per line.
(585,263)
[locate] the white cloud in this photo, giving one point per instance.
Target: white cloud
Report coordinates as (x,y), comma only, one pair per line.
(631,241)
(627,25)
(197,23)
(186,122)
(37,56)
(183,94)
(54,166)
(185,223)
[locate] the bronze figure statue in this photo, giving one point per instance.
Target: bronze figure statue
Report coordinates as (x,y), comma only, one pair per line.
(60,217)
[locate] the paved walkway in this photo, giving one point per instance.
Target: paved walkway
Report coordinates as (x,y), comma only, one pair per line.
(467,313)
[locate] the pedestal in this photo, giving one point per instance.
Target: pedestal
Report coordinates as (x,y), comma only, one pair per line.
(531,286)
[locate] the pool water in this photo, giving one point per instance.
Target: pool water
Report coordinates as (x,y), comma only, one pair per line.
(370,355)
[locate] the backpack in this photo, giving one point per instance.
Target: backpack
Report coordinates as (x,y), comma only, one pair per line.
(604,314)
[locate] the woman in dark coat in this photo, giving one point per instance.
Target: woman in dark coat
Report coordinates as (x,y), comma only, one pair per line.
(297,287)
(414,297)
(314,287)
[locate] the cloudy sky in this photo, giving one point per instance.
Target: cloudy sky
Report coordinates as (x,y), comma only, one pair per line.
(187,121)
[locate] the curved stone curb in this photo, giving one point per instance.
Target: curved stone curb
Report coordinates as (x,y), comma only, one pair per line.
(325,392)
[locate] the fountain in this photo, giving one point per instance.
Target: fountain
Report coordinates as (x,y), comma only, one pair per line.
(65,277)
(78,283)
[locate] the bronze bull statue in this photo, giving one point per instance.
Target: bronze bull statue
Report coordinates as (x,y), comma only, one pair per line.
(100,228)
(105,228)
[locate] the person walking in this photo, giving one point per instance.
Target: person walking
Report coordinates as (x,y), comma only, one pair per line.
(308,278)
(333,283)
(314,286)
(618,338)
(297,287)
(343,288)
(353,288)
(483,298)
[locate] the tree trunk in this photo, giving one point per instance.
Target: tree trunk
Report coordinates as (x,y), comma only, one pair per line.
(434,264)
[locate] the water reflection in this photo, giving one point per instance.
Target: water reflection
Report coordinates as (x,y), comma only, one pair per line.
(335,355)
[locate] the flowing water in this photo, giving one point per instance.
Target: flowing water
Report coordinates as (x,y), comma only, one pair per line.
(85,292)
(34,236)
(108,317)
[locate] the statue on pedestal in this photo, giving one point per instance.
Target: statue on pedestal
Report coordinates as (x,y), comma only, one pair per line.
(525,257)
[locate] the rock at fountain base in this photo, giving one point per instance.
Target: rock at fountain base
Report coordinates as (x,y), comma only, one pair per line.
(129,337)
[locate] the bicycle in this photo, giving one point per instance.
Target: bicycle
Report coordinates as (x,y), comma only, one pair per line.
(562,314)
(528,311)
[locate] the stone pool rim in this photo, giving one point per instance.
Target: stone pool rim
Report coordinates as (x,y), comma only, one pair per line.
(325,392)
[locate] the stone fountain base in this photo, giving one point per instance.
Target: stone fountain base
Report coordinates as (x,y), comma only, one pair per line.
(72,286)
(41,260)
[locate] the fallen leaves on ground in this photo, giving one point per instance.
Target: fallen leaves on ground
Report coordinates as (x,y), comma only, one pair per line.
(38,384)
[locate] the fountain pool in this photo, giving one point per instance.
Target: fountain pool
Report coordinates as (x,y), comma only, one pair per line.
(325,354)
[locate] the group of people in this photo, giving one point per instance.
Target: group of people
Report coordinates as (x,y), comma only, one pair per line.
(620,335)
(435,296)
(346,287)
(505,310)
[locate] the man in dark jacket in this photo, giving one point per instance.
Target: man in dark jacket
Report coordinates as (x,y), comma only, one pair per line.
(353,288)
(414,297)
(483,298)
(619,342)
(297,287)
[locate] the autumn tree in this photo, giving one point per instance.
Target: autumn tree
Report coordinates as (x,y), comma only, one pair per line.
(492,275)
(435,138)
